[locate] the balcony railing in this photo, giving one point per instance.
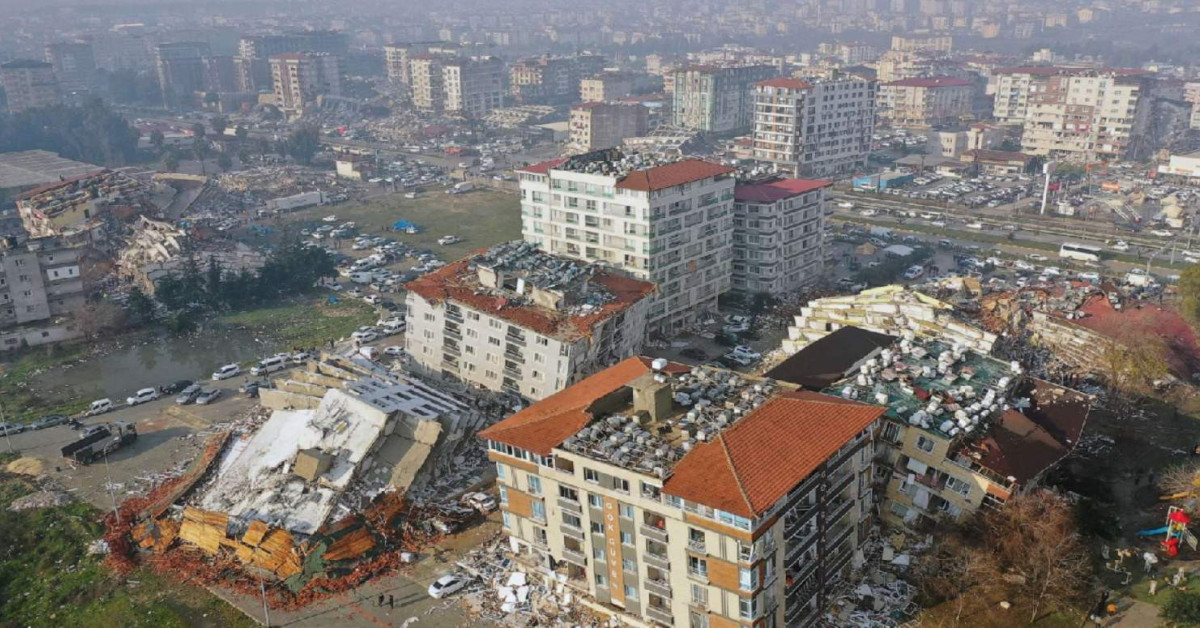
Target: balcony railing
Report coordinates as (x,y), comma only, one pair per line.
(696,546)
(575,556)
(569,504)
(657,560)
(654,532)
(660,587)
(661,615)
(698,574)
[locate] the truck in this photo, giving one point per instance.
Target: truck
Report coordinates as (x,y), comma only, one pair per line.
(881,232)
(459,188)
(100,440)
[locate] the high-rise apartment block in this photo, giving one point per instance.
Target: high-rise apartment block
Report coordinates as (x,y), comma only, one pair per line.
(597,125)
(1076,114)
(606,86)
(181,71)
(1191,93)
(473,86)
(814,128)
(668,223)
(428,87)
(398,57)
(518,320)
(778,235)
(39,279)
(717,100)
(301,77)
(925,103)
(551,80)
(922,43)
(680,496)
(29,84)
(254,53)
(74,66)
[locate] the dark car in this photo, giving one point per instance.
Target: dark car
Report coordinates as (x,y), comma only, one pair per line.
(250,389)
(694,354)
(49,420)
(388,305)
(176,388)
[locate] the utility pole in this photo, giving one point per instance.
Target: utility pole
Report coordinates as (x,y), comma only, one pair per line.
(262,588)
(112,495)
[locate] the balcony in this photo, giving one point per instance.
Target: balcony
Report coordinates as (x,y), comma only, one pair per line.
(570,505)
(839,534)
(656,560)
(514,354)
(838,509)
(660,614)
(454,316)
(696,546)
(660,587)
(515,340)
(452,334)
(572,531)
(575,556)
(700,575)
(654,532)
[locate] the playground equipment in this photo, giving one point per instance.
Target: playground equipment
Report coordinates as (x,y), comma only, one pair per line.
(1175,531)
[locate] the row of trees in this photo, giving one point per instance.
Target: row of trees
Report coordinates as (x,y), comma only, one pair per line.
(301,144)
(92,133)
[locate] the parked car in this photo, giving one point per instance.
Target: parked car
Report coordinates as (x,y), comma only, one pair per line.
(747,352)
(300,357)
(450,239)
(482,502)
(694,354)
(373,299)
(365,335)
(175,387)
(1037,257)
(250,389)
(7,429)
(99,406)
(269,365)
(188,395)
(49,420)
(447,585)
(734,359)
(208,396)
(142,396)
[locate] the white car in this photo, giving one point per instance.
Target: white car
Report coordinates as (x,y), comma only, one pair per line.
(1162,233)
(447,585)
(365,335)
(394,351)
(1052,270)
(746,352)
(1121,245)
(1023,265)
(227,371)
(373,299)
(914,272)
(142,396)
(482,502)
(450,239)
(870,212)
(1037,257)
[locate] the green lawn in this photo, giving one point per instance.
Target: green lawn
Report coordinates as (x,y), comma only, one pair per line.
(310,322)
(48,579)
(482,218)
(18,399)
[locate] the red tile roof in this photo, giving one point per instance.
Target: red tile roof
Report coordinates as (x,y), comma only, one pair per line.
(936,81)
(784,83)
(671,175)
(771,191)
(459,283)
(754,463)
(547,423)
(1135,318)
(1024,445)
(544,167)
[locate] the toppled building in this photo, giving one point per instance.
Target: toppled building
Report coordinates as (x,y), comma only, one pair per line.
(515,319)
(157,249)
(77,206)
(662,492)
(886,310)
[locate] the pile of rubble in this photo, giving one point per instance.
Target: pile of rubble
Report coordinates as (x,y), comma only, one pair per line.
(877,595)
(40,499)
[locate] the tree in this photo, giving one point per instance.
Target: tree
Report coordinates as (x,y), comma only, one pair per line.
(100,318)
(170,162)
(202,150)
(157,139)
(139,306)
(1189,294)
(241,132)
(218,125)
(92,133)
(1133,360)
(212,98)
(224,162)
(303,143)
(198,131)
(1183,607)
(952,569)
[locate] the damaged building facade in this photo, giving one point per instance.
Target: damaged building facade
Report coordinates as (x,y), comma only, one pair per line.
(157,249)
(517,320)
(41,286)
(76,206)
(674,496)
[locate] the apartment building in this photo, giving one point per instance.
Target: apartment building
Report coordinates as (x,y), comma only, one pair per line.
(605,87)
(922,43)
(598,125)
(717,100)
(252,63)
(428,86)
(397,58)
(778,235)
(1191,93)
(518,320)
(849,52)
(666,222)
(1089,115)
(814,128)
(925,103)
(29,84)
(40,280)
(551,80)
(301,78)
(1012,87)
(676,496)
(76,205)
(74,66)
(473,86)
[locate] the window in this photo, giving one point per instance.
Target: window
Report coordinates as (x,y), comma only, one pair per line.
(504,495)
(535,485)
(572,520)
(958,486)
(597,552)
(697,566)
(627,539)
(601,580)
(699,595)
(748,578)
(591,475)
(595,501)
(507,519)
(674,501)
(568,493)
(628,565)
(925,444)
(891,432)
(539,511)
(597,527)
(499,471)
(492,340)
(898,509)
(747,608)
(620,485)
(630,591)
(627,511)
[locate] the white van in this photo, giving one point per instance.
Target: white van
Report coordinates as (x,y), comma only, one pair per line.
(100,406)
(393,326)
(362,277)
(269,365)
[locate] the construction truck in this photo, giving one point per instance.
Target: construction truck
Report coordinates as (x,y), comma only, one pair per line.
(100,440)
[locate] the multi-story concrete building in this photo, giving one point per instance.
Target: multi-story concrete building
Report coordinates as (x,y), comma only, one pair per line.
(29,84)
(428,87)
(77,205)
(814,128)
(717,100)
(252,62)
(1082,114)
(668,223)
(922,43)
(74,66)
(181,71)
(1012,87)
(300,78)
(606,86)
(1191,93)
(40,280)
(473,86)
(518,320)
(551,80)
(850,52)
(398,57)
(661,510)
(778,235)
(924,103)
(597,125)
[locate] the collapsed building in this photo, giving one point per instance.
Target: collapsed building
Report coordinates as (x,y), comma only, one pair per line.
(78,206)
(157,249)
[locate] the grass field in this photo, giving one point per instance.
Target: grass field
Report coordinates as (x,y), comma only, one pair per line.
(18,398)
(309,322)
(48,579)
(482,218)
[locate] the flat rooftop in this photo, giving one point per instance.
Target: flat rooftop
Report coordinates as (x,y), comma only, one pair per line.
(554,296)
(30,168)
(636,171)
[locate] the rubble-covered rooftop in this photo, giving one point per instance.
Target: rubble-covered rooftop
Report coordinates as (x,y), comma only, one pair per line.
(550,295)
(642,172)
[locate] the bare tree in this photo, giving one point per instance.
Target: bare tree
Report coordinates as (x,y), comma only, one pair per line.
(955,570)
(1134,361)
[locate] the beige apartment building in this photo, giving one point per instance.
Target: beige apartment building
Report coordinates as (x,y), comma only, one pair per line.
(398,57)
(1088,115)
(605,87)
(924,103)
(922,43)
(473,86)
(518,320)
(301,78)
(598,125)
(669,495)
(428,86)
(814,128)
(76,205)
(668,223)
(718,100)
(40,280)
(29,84)
(778,235)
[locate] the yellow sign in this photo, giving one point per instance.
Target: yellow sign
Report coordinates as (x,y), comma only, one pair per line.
(612,551)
